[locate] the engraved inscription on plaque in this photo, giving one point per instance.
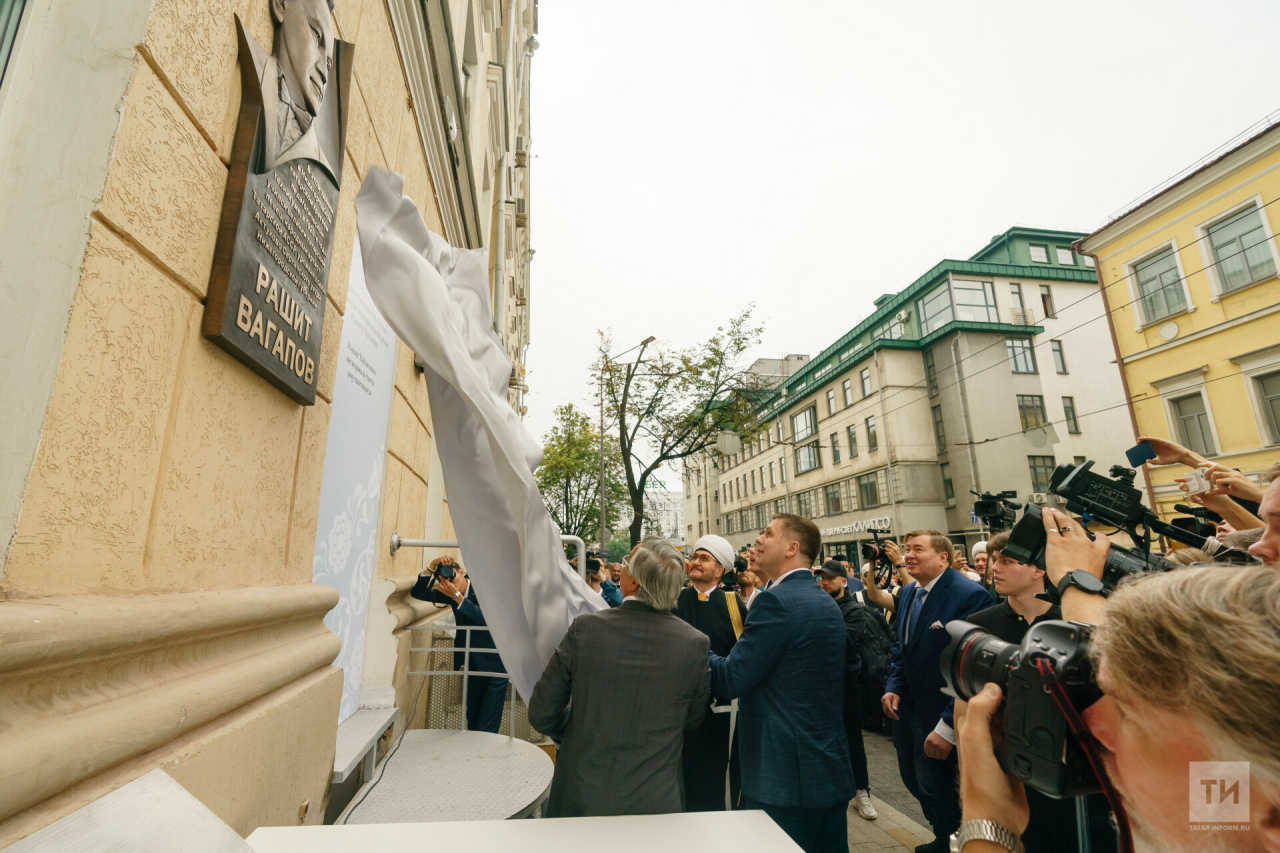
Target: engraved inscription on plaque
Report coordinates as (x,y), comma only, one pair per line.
(271,264)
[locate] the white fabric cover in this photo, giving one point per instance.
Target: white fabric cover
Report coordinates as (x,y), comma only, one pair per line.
(436,298)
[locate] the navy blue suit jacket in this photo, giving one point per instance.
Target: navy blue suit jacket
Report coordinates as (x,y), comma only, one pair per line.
(788,670)
(914,672)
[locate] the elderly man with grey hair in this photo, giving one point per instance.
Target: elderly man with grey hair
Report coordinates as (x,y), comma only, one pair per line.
(619,693)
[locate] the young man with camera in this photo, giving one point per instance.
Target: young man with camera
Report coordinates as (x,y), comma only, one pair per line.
(1187,664)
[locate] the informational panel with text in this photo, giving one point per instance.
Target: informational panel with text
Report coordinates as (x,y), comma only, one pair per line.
(347,543)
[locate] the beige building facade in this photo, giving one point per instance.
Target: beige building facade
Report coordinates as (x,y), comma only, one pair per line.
(158,499)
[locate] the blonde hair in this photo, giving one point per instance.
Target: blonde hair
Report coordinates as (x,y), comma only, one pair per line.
(1204,642)
(1187,556)
(658,570)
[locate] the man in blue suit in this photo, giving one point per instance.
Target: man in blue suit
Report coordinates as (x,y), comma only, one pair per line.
(788,669)
(913,695)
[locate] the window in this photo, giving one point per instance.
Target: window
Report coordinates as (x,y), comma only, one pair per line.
(1065,256)
(762,478)
(1059,358)
(1022,357)
(1046,301)
(1041,472)
(760,443)
(1039,254)
(939,431)
(1240,250)
(865,379)
(782,469)
(1269,394)
(804,424)
(808,458)
(833,499)
(804,504)
(1088,260)
(699,504)
(772,480)
(1069,415)
(934,309)
(779,429)
(848,393)
(853,441)
(1193,424)
(761,520)
(1015,296)
(831,402)
(975,301)
(948,488)
(868,491)
(1159,286)
(700,528)
(872,441)
(835,448)
(930,373)
(780,506)
(10,14)
(1078,460)
(769,436)
(753,482)
(1031,412)
(890,329)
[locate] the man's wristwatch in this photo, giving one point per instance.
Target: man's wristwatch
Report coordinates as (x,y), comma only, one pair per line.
(985,830)
(1083,581)
(457,595)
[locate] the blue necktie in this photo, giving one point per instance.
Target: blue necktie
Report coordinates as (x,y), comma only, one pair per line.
(917,604)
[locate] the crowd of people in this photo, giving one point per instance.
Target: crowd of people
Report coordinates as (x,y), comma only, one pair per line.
(747,680)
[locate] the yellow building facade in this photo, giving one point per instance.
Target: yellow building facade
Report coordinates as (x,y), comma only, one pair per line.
(1189,276)
(158,498)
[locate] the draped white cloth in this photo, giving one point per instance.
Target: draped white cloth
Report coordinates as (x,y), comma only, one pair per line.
(436,298)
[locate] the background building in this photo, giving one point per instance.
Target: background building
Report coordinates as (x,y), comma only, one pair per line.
(158,499)
(947,387)
(1189,277)
(666,510)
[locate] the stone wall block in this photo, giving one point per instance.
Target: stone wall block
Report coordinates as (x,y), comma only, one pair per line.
(193,42)
(378,69)
(306,491)
(404,561)
(344,236)
(329,346)
(234,446)
(411,384)
(412,514)
(422,454)
(84,521)
(165,184)
(403,426)
(359,127)
(411,162)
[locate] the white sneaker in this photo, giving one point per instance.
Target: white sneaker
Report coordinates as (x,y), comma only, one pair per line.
(862,802)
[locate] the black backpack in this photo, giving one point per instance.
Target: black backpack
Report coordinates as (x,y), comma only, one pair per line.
(873,641)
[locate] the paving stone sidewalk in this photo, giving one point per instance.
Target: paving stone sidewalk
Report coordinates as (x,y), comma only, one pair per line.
(901,824)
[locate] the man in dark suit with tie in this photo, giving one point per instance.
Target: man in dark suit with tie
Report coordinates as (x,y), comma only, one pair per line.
(619,693)
(719,615)
(913,695)
(787,669)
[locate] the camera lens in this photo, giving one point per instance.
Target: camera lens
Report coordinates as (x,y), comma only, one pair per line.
(447,571)
(870,551)
(974,657)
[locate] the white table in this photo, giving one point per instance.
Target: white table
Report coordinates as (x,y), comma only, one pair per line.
(741,832)
(449,775)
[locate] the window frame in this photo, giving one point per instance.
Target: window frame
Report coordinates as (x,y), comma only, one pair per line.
(930,372)
(1047,303)
(831,402)
(1059,357)
(1036,406)
(1270,411)
(811,452)
(826,499)
(1031,247)
(835,448)
(847,388)
(1016,302)
(1032,468)
(1141,321)
(1179,387)
(988,294)
(1217,290)
(812,411)
(1070,415)
(873,438)
(864,382)
(1255,366)
(1057,256)
(1180,432)
(926,322)
(939,429)
(773,480)
(1030,352)
(852,432)
(948,485)
(863,480)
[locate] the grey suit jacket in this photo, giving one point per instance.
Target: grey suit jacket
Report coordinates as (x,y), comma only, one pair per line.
(638,680)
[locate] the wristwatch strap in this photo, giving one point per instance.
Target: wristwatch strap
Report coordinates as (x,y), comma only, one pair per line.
(1082,581)
(985,830)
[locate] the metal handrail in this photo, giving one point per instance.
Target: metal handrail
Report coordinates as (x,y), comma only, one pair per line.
(397,543)
(465,672)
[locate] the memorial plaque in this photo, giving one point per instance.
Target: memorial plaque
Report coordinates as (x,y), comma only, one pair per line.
(271,263)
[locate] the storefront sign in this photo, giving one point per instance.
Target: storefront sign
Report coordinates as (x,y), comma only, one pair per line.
(347,544)
(271,261)
(859,527)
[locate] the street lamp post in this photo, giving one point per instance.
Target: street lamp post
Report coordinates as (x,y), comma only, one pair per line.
(602,532)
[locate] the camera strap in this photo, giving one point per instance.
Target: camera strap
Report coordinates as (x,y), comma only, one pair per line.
(731,601)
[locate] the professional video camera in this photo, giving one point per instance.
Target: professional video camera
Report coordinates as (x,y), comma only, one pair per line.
(1196,519)
(873,550)
(441,567)
(996,511)
(1046,680)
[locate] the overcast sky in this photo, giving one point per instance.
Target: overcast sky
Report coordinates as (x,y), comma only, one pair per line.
(807,156)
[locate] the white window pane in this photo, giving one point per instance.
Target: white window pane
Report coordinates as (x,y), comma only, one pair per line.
(1039,254)
(1066,257)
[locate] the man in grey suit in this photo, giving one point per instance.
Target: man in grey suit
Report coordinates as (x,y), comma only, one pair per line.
(619,693)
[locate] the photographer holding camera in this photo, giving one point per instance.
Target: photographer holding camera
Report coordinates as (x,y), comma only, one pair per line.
(446,582)
(1184,665)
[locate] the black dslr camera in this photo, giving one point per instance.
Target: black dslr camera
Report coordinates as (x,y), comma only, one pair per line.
(1046,681)
(444,568)
(996,511)
(873,551)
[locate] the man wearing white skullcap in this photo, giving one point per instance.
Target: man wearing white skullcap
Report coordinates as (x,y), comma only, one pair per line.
(719,615)
(981,565)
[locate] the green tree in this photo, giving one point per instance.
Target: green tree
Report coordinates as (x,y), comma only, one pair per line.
(667,404)
(569,476)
